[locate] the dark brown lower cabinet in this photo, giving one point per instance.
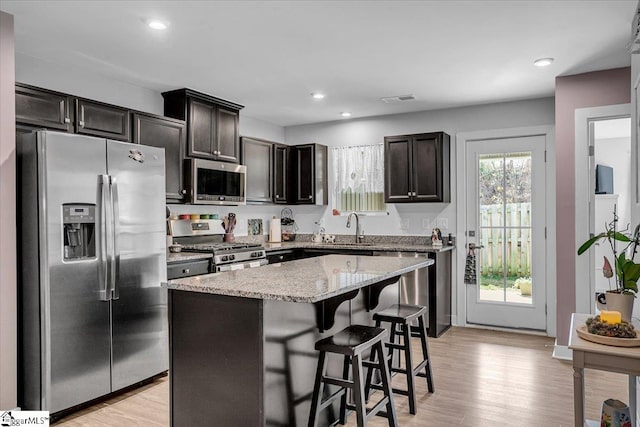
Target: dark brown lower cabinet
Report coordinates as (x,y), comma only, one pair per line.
(167,133)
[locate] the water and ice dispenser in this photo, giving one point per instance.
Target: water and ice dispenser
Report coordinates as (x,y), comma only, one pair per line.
(79,231)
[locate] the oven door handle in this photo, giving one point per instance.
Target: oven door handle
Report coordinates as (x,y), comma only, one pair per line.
(241,265)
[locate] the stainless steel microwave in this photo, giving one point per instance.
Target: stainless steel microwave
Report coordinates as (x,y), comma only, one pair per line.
(216,183)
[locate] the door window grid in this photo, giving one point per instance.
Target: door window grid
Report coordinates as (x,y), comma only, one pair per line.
(505,228)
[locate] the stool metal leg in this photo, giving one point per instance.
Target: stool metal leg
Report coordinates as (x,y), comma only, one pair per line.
(358,390)
(406,334)
(386,385)
(317,390)
(425,353)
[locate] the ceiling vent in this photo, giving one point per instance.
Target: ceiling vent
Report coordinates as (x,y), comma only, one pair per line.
(396,99)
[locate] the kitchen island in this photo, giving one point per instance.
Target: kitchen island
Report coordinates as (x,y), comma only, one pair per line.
(242,342)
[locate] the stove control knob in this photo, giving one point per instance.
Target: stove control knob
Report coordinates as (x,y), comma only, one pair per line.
(232,257)
(224,258)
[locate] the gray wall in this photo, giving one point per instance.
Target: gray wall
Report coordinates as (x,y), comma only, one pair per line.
(8,301)
(79,82)
(420,218)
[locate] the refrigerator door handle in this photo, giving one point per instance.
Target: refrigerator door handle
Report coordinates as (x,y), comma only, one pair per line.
(105,294)
(115,267)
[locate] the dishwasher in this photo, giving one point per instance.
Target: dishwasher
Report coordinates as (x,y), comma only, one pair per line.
(429,287)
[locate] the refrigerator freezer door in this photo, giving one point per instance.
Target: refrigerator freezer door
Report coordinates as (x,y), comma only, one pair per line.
(75,319)
(139,304)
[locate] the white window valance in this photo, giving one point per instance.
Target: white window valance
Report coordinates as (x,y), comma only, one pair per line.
(359,178)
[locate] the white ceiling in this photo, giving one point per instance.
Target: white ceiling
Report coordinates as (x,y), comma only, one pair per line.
(270,55)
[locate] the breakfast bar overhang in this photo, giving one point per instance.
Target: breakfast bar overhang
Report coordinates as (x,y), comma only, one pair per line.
(242,342)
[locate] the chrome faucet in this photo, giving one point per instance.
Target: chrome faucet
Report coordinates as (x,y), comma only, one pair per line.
(359,234)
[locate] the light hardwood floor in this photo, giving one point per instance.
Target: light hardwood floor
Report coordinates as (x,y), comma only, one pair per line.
(482,378)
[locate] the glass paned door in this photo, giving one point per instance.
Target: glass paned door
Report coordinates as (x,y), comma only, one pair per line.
(506,221)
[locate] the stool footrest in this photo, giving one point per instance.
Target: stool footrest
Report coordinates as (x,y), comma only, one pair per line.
(395,390)
(419,367)
(375,410)
(331,398)
(337,381)
(394,345)
(398,370)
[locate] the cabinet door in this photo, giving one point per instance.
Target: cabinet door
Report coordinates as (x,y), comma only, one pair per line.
(42,108)
(397,170)
(280,170)
(168,134)
(256,155)
(428,168)
(106,121)
(201,129)
(227,136)
(305,174)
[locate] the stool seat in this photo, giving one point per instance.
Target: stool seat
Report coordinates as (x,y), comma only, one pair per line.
(400,313)
(352,340)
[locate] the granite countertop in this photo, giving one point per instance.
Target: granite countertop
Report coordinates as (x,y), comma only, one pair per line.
(378,246)
(307,280)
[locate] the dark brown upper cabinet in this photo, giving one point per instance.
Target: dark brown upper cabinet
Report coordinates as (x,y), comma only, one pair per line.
(416,168)
(103,120)
(167,133)
(281,167)
(257,156)
(43,108)
(310,174)
(212,124)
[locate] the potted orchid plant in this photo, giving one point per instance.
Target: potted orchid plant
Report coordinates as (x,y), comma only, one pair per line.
(625,270)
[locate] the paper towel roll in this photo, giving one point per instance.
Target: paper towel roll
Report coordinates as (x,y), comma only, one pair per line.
(275,233)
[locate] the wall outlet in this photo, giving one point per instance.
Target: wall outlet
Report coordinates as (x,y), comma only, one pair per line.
(427,224)
(443,223)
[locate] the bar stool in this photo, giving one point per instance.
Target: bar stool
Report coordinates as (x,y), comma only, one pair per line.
(404,315)
(352,342)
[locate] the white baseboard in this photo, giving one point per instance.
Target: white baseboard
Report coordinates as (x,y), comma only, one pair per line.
(562,352)
(454,321)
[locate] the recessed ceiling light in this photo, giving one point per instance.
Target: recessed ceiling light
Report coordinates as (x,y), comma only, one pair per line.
(157,24)
(543,62)
(345,114)
(317,95)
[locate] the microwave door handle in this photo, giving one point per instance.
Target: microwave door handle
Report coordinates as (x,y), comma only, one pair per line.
(115,221)
(103,271)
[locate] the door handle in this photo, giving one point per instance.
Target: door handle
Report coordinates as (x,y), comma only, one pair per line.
(115,267)
(103,272)
(81,123)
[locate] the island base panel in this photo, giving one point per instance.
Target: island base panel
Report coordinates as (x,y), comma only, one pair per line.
(216,360)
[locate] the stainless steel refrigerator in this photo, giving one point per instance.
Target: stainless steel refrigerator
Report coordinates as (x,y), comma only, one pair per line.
(93,315)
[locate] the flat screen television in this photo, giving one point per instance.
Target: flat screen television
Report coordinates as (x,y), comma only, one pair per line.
(604,179)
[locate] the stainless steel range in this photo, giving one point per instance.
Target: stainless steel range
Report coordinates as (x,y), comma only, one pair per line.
(205,236)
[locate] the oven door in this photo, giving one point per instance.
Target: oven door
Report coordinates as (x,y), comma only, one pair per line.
(241,265)
(217,183)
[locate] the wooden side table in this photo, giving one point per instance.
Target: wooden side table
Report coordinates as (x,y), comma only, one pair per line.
(587,354)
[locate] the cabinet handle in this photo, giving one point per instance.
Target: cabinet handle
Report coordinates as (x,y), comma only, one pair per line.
(183,191)
(409,194)
(310,197)
(277,196)
(413,194)
(67,120)
(186,271)
(81,123)
(216,152)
